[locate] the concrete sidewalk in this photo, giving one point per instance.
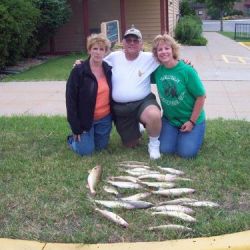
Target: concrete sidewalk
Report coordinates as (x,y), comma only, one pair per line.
(226,99)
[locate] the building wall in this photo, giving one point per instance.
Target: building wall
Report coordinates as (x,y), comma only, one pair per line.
(173,14)
(145,15)
(102,11)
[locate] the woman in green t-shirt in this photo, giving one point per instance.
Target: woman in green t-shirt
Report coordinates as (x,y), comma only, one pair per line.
(182,97)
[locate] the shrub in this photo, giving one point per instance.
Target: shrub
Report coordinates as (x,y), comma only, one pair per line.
(187,29)
(200,41)
(18,21)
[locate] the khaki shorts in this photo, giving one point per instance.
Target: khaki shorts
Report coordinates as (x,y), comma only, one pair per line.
(127,117)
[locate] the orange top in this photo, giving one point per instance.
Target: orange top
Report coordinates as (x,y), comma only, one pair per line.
(102,107)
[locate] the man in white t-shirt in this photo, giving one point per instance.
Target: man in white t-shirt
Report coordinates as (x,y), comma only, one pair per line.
(131,91)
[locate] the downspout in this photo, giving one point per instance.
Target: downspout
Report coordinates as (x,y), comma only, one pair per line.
(167,17)
(85,11)
(162,15)
(122,15)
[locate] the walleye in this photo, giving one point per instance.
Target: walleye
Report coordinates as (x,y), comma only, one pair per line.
(159,177)
(111,190)
(177,208)
(133,163)
(124,178)
(124,204)
(113,217)
(93,178)
(174,191)
(158,184)
(171,170)
(140,204)
(115,204)
(136,197)
(125,184)
(132,166)
(176,214)
(171,226)
(140,172)
(179,201)
(201,204)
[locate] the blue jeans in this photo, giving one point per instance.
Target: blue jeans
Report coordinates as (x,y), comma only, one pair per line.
(184,144)
(97,138)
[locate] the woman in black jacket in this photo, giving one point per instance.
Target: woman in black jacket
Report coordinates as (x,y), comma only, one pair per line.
(88,99)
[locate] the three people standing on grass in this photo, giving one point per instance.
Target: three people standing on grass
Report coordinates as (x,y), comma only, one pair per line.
(133,102)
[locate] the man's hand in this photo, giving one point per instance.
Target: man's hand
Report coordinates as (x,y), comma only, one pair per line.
(187,61)
(77,62)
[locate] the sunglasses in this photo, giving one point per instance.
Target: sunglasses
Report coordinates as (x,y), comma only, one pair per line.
(132,40)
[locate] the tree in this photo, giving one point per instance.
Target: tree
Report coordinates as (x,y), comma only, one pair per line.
(53,14)
(219,5)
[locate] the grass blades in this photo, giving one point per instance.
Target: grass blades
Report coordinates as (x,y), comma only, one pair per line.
(55,69)
(43,184)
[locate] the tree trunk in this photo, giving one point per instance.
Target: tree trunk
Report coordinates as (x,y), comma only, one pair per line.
(221,19)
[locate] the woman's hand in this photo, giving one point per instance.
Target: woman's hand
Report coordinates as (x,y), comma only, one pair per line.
(77,138)
(187,126)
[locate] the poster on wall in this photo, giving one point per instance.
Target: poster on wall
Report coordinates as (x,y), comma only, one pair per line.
(111,30)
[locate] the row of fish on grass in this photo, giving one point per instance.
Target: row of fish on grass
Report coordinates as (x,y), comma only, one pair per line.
(160,182)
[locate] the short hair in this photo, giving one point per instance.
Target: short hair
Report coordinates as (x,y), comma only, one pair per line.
(100,39)
(167,39)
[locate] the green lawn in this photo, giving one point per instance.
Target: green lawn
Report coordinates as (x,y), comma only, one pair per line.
(231,35)
(54,69)
(43,184)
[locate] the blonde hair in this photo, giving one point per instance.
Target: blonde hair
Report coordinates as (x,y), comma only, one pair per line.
(166,39)
(99,39)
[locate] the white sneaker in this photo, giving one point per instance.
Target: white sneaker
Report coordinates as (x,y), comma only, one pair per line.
(141,128)
(154,150)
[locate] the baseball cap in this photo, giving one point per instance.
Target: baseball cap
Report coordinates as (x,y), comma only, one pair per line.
(133,31)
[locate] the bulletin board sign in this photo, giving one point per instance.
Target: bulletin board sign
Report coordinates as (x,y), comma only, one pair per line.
(111,30)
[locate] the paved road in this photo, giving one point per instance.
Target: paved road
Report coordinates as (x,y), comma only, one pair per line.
(224,67)
(228,25)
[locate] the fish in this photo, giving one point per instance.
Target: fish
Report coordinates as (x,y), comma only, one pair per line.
(113,217)
(124,178)
(140,204)
(140,172)
(125,184)
(178,208)
(171,226)
(159,177)
(176,214)
(93,178)
(131,166)
(115,204)
(171,170)
(136,197)
(179,201)
(201,204)
(124,204)
(111,190)
(174,191)
(158,184)
(133,162)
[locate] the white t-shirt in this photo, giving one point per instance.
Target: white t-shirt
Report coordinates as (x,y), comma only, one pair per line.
(131,79)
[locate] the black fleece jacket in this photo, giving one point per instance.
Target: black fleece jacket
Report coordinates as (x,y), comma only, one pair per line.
(81,92)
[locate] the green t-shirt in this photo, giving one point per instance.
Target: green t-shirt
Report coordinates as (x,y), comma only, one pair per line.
(178,88)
